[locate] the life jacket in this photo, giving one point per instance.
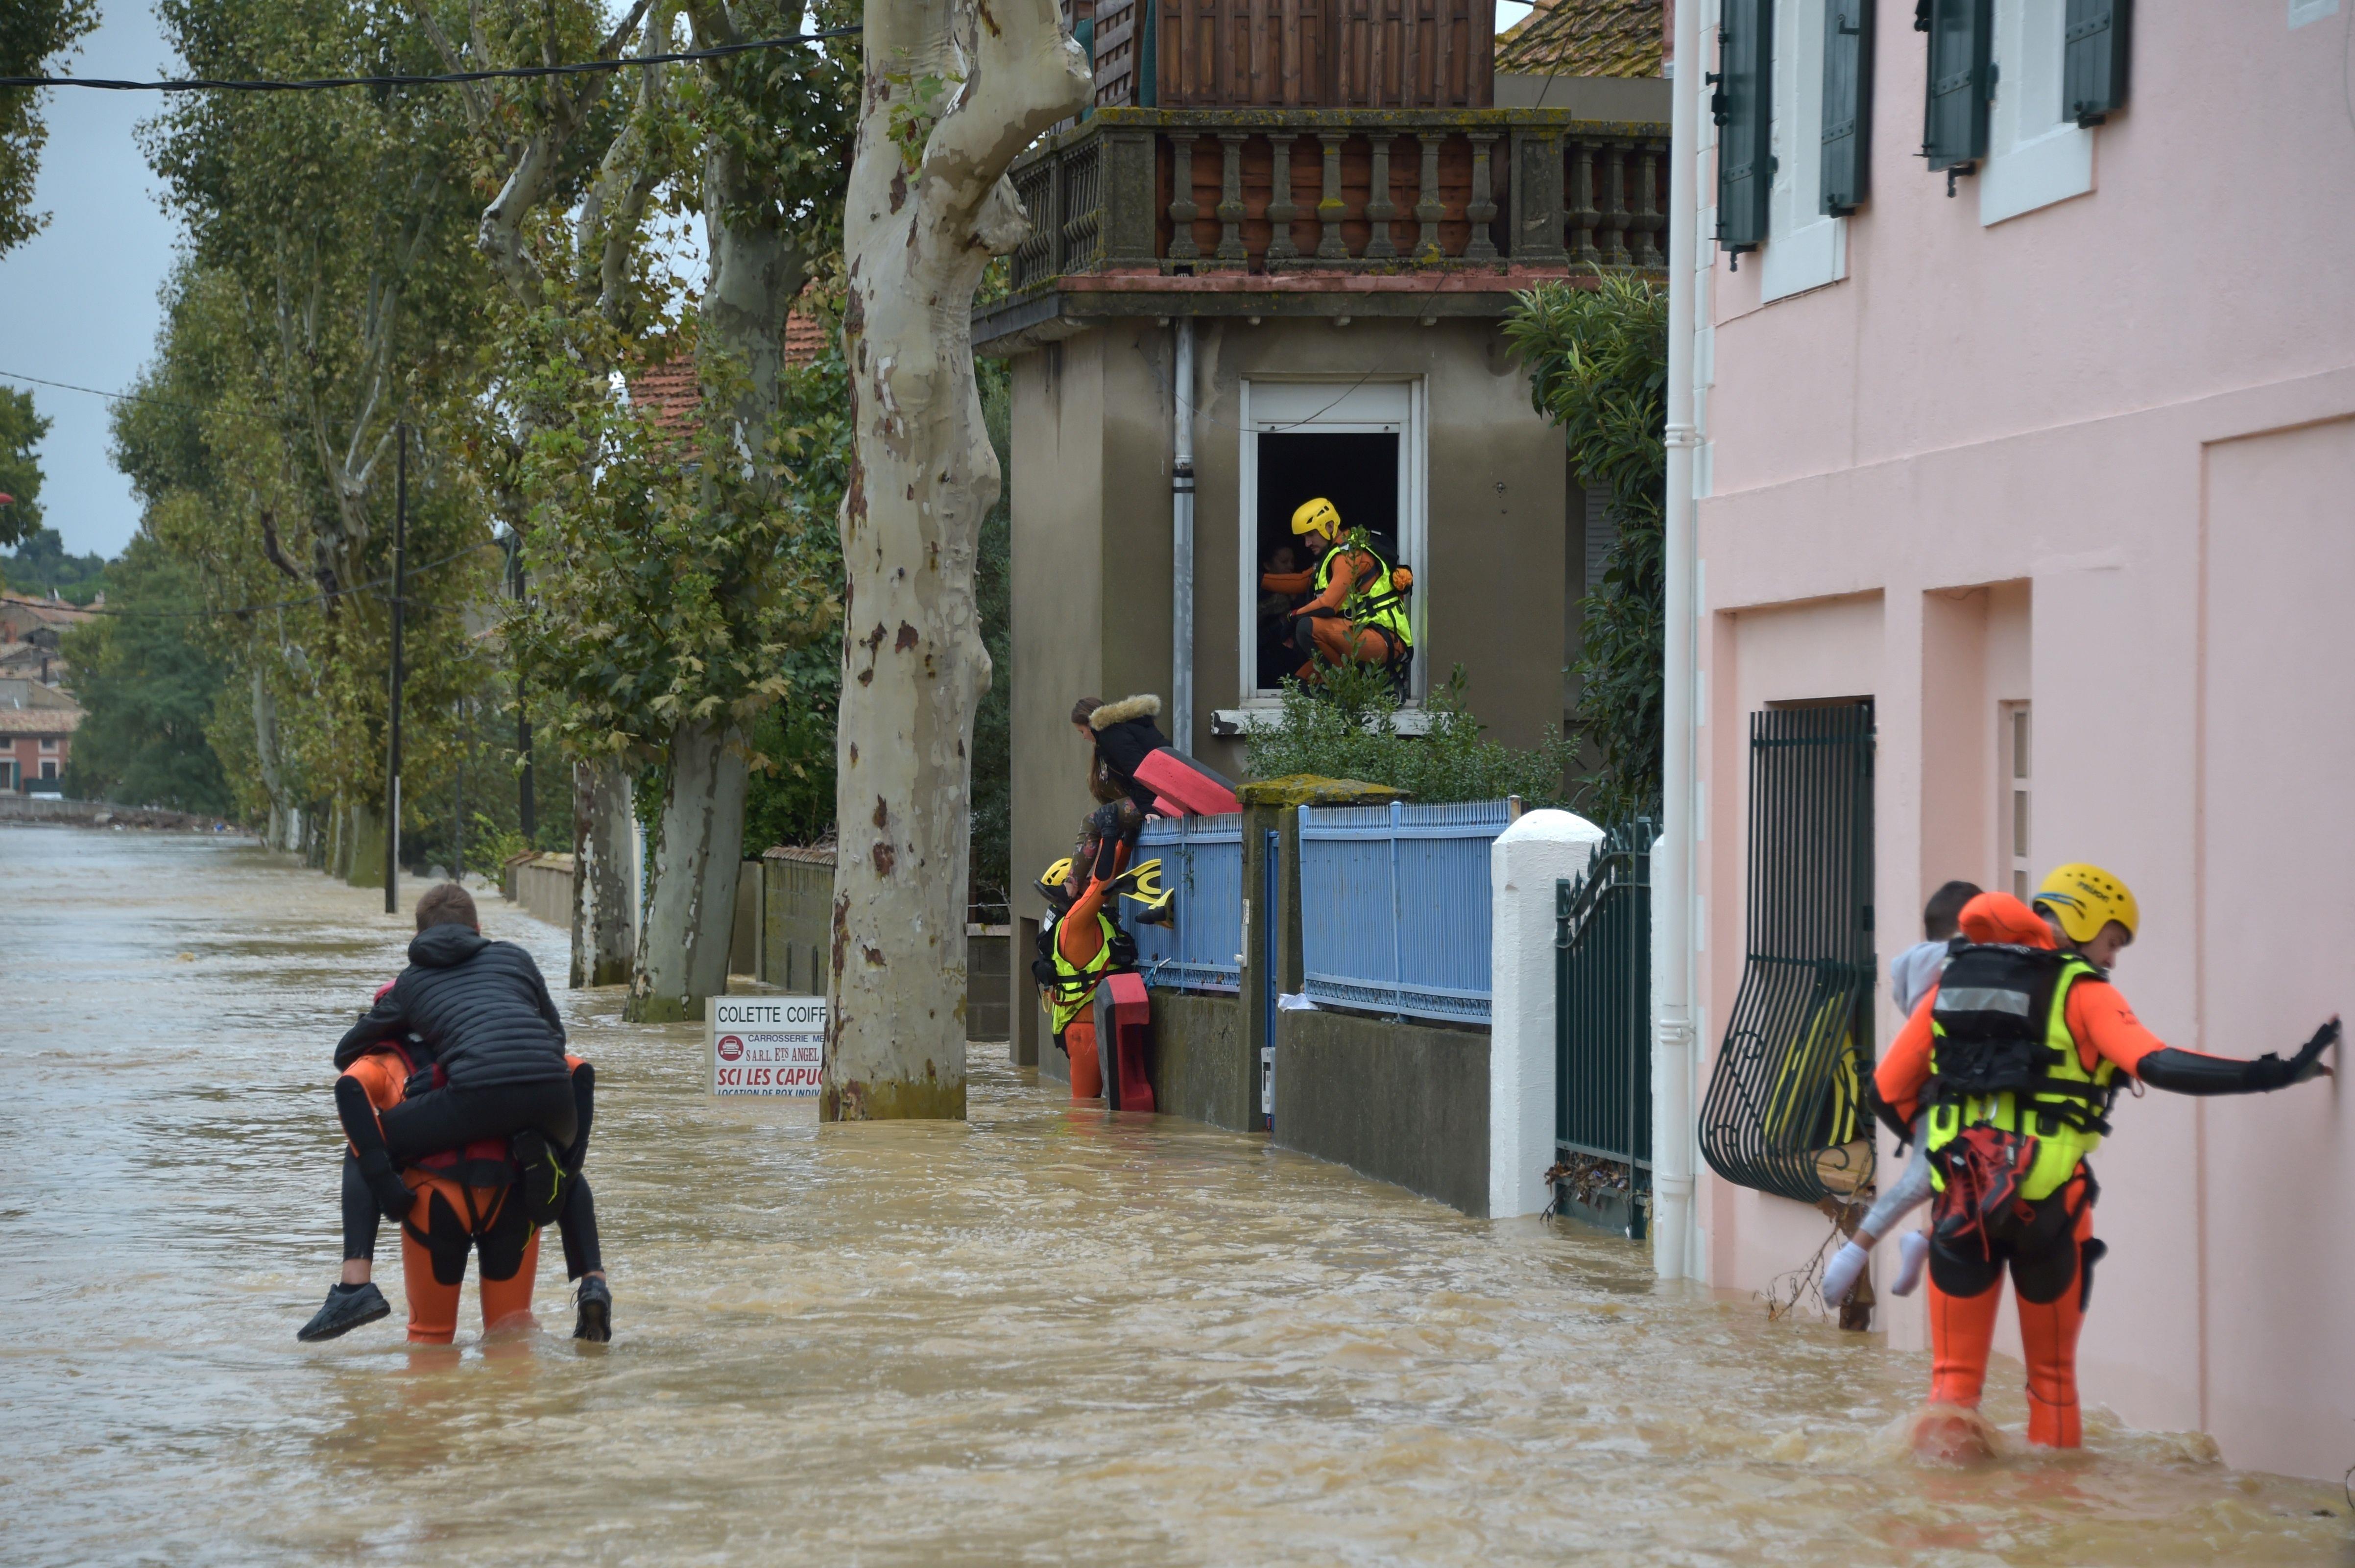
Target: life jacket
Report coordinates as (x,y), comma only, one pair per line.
(1071,987)
(1380,604)
(2002,1058)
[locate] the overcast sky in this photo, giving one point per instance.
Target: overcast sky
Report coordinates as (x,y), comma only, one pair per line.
(78,301)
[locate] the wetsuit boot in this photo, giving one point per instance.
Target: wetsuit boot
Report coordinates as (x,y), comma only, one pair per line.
(348,1306)
(595,1322)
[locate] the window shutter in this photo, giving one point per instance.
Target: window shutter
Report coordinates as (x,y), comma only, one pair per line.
(1848,104)
(1955,122)
(1743,109)
(2094,60)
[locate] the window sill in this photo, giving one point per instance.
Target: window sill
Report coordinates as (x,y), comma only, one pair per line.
(1228,722)
(1806,257)
(2053,168)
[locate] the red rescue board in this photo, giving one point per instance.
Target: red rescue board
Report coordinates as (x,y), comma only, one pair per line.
(1177,777)
(1123,1036)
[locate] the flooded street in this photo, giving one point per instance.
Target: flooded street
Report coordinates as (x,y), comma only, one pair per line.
(1045,1335)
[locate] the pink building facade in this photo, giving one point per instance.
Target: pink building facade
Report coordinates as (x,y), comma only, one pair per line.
(2059,472)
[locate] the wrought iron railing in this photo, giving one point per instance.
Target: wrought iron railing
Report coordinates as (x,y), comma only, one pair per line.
(1784,1110)
(1276,190)
(1203,864)
(1602,1006)
(1394,910)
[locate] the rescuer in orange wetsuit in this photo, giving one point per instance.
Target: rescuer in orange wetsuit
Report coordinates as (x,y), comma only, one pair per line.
(1382,634)
(2016,1054)
(1081,946)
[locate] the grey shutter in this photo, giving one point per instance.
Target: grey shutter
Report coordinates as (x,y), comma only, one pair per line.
(1954,120)
(1601,533)
(1848,104)
(2094,60)
(1743,108)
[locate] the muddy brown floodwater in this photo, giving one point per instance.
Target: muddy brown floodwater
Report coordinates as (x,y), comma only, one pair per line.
(1047,1335)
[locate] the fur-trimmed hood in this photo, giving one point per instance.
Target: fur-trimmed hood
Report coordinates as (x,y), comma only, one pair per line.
(1120,712)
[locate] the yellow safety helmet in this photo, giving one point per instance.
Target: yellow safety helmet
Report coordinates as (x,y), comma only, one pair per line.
(1052,881)
(1317,517)
(2084,899)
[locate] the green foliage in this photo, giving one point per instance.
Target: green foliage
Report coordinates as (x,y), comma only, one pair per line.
(21,430)
(911,118)
(148,687)
(41,565)
(1598,368)
(34,35)
(1342,728)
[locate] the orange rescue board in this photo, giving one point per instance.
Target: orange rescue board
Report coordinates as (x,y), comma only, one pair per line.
(1179,779)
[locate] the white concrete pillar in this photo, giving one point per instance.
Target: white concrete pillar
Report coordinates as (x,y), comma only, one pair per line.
(1528,859)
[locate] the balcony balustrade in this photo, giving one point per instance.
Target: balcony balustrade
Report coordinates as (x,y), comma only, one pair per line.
(1371,191)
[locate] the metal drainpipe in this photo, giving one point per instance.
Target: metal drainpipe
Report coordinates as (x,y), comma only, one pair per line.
(1182,533)
(1673,1063)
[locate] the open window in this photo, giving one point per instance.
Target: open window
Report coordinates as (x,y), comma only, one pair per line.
(1360,445)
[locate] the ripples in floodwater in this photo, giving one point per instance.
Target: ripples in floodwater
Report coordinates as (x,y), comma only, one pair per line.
(1045,1335)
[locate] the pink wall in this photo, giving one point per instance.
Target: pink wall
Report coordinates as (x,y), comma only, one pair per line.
(2099,457)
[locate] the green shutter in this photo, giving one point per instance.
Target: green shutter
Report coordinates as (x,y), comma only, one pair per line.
(1955,121)
(1743,108)
(1848,104)
(2094,60)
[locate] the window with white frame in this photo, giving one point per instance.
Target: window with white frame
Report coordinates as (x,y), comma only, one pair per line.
(2037,153)
(1360,443)
(1806,247)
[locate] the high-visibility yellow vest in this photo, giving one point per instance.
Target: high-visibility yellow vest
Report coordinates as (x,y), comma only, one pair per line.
(1377,603)
(2001,1056)
(1075,983)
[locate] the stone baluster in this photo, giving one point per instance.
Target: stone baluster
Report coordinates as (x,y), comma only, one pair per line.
(1379,209)
(1649,219)
(1331,247)
(1428,208)
(1482,210)
(1280,208)
(1182,208)
(1231,197)
(1611,204)
(1581,205)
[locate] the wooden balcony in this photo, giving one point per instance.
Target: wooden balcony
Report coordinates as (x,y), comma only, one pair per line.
(1322,212)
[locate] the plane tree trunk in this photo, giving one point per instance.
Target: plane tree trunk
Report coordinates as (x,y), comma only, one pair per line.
(691,918)
(954,90)
(604,913)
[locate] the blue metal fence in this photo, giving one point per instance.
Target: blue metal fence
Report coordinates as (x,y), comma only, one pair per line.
(1394,907)
(1202,859)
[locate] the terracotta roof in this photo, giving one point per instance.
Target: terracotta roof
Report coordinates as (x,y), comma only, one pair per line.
(39,721)
(1584,38)
(673,392)
(56,611)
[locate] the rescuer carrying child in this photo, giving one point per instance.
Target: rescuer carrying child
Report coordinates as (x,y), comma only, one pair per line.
(476,1046)
(1359,610)
(2016,1056)
(1082,943)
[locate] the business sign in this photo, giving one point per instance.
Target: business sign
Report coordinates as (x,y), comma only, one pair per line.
(765,1045)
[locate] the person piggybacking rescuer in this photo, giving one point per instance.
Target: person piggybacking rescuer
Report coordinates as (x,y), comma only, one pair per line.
(2013,1061)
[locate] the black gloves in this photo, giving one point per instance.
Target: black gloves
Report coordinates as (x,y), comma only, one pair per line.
(392,1195)
(2190,1073)
(2270,1071)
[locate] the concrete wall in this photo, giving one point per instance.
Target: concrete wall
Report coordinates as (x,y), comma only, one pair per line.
(1202,1067)
(2094,457)
(1092,529)
(543,889)
(1403,1102)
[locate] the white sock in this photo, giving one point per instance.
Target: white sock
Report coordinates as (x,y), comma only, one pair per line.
(1841,1274)
(1912,1254)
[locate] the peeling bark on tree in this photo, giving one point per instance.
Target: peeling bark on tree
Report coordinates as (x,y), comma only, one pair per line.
(683,952)
(603,917)
(919,226)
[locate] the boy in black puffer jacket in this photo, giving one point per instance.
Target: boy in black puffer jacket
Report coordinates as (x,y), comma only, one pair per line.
(496,1041)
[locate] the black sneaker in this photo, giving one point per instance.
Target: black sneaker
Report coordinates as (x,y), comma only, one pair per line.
(347,1307)
(595,1323)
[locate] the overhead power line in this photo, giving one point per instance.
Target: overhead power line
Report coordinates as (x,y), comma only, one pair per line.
(441,78)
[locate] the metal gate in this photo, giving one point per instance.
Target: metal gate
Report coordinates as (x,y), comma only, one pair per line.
(1603,1029)
(1784,1112)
